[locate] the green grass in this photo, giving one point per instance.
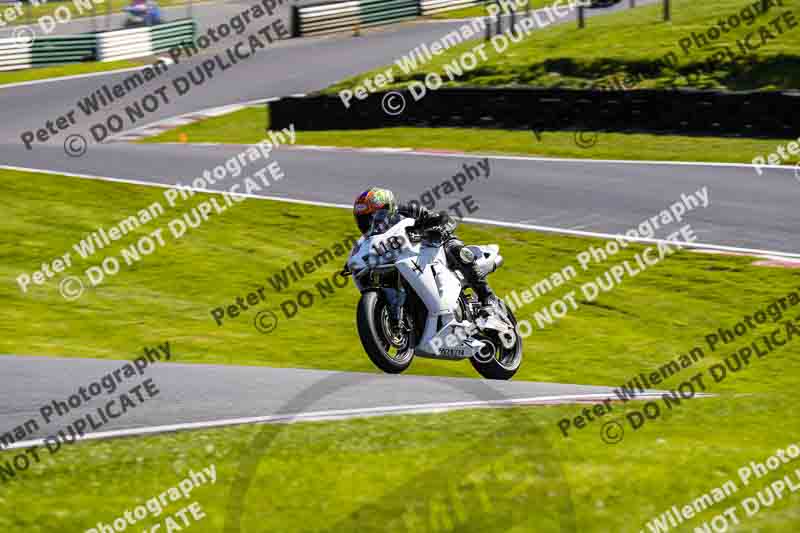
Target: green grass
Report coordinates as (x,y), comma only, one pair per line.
(471,471)
(480,11)
(612,46)
(247,126)
(406,473)
(168,295)
(44,73)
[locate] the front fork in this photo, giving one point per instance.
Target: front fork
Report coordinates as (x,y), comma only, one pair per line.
(395,300)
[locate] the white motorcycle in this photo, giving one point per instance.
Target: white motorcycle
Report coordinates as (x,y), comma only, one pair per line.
(413,303)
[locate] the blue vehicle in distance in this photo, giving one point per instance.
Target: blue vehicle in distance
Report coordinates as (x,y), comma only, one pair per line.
(142,13)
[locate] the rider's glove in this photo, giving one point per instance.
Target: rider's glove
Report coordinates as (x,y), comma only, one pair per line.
(440,222)
(426,220)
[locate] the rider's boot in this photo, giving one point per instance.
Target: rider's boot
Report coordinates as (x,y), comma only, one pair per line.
(482,290)
(464,260)
(396,299)
(489,301)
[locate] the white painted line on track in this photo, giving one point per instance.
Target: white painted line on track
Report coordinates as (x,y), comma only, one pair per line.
(514,225)
(341,414)
(423,152)
(166,124)
(260,101)
(581,233)
(168,186)
(387,150)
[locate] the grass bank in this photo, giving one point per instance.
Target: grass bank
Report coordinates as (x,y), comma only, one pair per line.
(348,475)
(611,47)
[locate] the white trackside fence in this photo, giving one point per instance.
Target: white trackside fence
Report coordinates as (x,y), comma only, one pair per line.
(330,17)
(100,46)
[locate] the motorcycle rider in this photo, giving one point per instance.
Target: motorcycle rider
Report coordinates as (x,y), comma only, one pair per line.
(376,200)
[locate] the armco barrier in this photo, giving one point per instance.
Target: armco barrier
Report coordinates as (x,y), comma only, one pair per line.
(431,7)
(63,49)
(329,17)
(140,42)
(165,36)
(754,114)
(102,46)
(13,55)
(46,51)
(124,44)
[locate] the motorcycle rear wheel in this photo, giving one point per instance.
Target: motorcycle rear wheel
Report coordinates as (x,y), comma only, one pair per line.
(506,361)
(379,340)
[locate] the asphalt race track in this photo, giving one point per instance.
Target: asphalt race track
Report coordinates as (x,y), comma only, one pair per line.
(233,393)
(570,194)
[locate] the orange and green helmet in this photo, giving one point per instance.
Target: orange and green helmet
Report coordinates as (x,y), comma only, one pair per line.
(369,203)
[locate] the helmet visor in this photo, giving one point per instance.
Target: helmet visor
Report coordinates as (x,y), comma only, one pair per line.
(374,223)
(364,222)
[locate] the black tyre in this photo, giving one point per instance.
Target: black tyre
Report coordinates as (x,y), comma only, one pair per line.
(390,351)
(506,361)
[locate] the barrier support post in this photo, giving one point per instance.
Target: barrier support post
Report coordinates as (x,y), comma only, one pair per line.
(488,29)
(581,17)
(294,21)
(666,11)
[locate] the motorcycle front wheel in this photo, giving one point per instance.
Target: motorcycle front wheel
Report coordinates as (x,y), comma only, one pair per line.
(389,349)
